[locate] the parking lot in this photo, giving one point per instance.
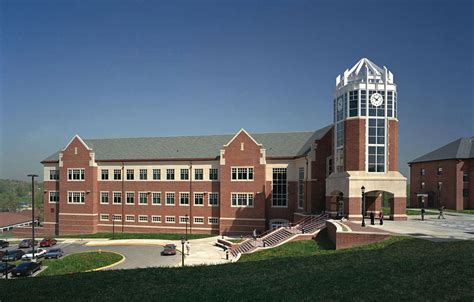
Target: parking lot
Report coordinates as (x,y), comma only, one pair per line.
(135,256)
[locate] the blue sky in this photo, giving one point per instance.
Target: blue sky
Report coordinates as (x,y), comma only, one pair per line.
(159,68)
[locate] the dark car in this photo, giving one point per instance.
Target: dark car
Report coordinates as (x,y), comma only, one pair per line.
(12,255)
(170,249)
(26,243)
(26,269)
(54,253)
(46,242)
(5,268)
(4,243)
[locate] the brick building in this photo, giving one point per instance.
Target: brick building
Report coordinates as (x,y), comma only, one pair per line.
(444,176)
(234,183)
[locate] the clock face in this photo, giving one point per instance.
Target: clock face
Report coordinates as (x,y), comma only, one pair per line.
(376,99)
(339,105)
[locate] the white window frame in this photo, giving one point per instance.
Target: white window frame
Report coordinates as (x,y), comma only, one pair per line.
(209,199)
(189,197)
(174,174)
(144,175)
(49,196)
(82,195)
(130,220)
(210,173)
(56,173)
(210,220)
(286,199)
(181,170)
(140,218)
(156,216)
(102,217)
(194,174)
(127,174)
(153,174)
(166,199)
(166,219)
(117,217)
(247,172)
(194,199)
(102,174)
(200,218)
(152,197)
(113,197)
(100,197)
(247,199)
(140,198)
(82,174)
(182,219)
(126,198)
(120,174)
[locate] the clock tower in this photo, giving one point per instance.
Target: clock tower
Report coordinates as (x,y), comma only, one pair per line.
(365,148)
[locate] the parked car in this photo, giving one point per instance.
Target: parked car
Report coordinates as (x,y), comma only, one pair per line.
(12,255)
(26,269)
(39,253)
(170,249)
(5,268)
(54,253)
(26,243)
(4,243)
(47,242)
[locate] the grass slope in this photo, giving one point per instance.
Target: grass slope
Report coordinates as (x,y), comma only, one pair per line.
(139,236)
(403,269)
(79,262)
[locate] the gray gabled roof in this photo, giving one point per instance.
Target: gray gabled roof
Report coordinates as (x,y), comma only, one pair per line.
(207,146)
(461,148)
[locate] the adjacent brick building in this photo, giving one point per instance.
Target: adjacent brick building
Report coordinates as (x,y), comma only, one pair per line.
(444,176)
(233,183)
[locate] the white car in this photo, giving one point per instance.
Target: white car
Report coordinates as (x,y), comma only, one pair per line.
(39,253)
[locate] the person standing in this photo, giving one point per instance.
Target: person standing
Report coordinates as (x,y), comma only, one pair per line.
(372,218)
(188,247)
(254,234)
(441,212)
(381,217)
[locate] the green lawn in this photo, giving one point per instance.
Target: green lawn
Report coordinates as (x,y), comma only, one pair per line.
(462,211)
(139,236)
(399,269)
(79,262)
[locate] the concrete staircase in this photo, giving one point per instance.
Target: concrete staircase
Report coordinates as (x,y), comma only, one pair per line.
(272,238)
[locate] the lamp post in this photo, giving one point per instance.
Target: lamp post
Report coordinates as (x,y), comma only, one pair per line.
(113,226)
(33,211)
(186,217)
(183,240)
(363,204)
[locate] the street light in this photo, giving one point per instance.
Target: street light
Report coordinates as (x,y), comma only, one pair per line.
(33,211)
(363,204)
(183,240)
(113,226)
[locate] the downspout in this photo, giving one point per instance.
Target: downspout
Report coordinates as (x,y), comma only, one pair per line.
(306,185)
(123,194)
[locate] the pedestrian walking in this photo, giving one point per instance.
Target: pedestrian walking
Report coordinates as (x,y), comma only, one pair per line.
(254,234)
(441,212)
(381,217)
(422,214)
(372,218)
(188,247)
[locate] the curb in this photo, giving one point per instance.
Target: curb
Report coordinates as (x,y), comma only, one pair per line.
(107,266)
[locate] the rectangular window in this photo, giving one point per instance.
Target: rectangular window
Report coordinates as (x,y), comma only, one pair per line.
(142,218)
(363,103)
(353,102)
(213,174)
(242,199)
(130,218)
(76,197)
(156,219)
(440,171)
(170,199)
(130,174)
(422,171)
(104,174)
(465,192)
(75,174)
(184,199)
(198,199)
(199,220)
(53,174)
(301,188)
(213,220)
(117,174)
(279,188)
(130,198)
(184,174)
(53,197)
(214,199)
(117,197)
(465,177)
(242,173)
(389,103)
(170,174)
(143,198)
(143,174)
(117,217)
(170,219)
(104,217)
(198,174)
(422,185)
(376,145)
(104,197)
(156,174)
(156,198)
(183,219)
